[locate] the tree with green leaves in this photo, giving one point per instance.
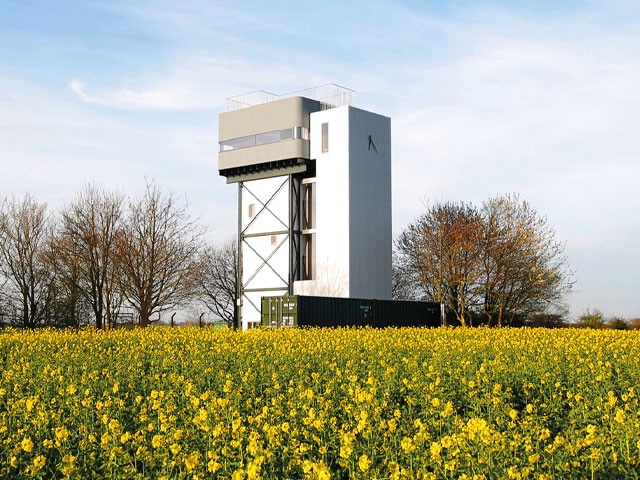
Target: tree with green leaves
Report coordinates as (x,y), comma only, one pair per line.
(591,318)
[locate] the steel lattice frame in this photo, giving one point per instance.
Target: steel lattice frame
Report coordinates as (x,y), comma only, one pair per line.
(291,229)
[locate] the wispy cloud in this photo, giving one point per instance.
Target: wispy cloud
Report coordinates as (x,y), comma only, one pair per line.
(194,82)
(126,98)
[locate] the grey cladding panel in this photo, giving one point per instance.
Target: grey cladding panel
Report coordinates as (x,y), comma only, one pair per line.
(278,115)
(263,154)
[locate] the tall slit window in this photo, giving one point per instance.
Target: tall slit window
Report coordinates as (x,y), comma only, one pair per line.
(308,206)
(325,137)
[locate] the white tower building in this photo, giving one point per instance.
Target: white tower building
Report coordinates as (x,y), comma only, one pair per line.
(314,195)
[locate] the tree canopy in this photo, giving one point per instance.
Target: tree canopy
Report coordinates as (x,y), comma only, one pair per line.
(106,257)
(495,264)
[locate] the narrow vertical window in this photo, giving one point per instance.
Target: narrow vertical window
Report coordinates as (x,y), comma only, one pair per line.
(308,257)
(308,206)
(274,240)
(252,210)
(325,137)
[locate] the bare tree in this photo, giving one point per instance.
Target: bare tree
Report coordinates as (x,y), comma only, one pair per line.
(24,239)
(404,284)
(7,307)
(440,249)
(219,280)
(157,252)
(86,247)
(68,307)
(501,262)
(524,268)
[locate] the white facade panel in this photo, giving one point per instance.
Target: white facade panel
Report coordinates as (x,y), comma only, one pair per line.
(332,202)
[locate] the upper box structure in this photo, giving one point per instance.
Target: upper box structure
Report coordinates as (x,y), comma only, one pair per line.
(263,135)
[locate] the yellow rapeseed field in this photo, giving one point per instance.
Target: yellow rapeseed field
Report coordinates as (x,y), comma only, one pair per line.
(395,403)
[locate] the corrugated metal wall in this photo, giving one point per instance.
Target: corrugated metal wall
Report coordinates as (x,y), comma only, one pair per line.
(308,311)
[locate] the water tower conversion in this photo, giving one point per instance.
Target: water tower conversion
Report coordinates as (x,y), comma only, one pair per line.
(314,195)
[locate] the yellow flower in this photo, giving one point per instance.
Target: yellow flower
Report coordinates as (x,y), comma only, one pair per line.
(253,470)
(68,468)
(213,466)
(307,466)
(512,472)
(192,461)
(435,448)
(345,451)
(38,462)
(448,410)
(61,433)
(26,444)
(322,471)
(407,445)
(237,475)
(447,441)
(202,415)
(476,425)
(114,425)
(30,403)
(105,439)
(157,441)
(364,462)
(545,434)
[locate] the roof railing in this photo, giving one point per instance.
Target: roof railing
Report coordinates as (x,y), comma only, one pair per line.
(329,96)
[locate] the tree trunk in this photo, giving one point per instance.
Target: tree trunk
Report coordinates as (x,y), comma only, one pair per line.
(144,318)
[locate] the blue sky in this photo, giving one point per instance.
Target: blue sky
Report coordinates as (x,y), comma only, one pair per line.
(486,98)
